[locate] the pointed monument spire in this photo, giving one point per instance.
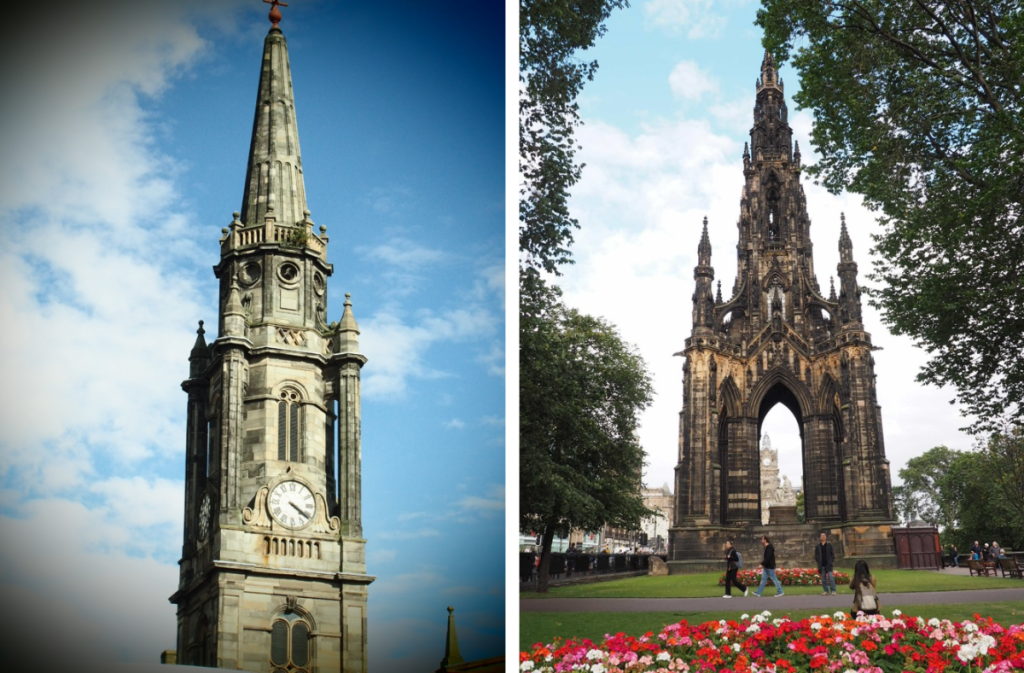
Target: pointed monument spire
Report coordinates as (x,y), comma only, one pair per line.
(718,294)
(451,644)
(769,76)
(832,289)
(348,330)
(274,180)
(704,247)
(845,244)
(200,355)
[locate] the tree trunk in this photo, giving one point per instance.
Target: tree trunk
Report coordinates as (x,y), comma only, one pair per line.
(545,559)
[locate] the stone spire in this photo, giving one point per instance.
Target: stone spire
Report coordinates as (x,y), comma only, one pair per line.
(704,247)
(273,184)
(451,644)
(348,330)
(845,244)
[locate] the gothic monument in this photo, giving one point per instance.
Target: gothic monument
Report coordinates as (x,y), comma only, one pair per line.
(777,339)
(273,571)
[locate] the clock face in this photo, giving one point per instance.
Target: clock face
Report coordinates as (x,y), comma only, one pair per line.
(204,517)
(767,462)
(292,504)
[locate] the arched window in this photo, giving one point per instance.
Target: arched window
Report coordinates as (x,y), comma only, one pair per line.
(289,644)
(289,426)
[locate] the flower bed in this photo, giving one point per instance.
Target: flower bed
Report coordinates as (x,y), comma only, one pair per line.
(789,577)
(758,644)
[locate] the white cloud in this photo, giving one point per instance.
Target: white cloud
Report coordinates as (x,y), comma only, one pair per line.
(493,420)
(688,81)
(455,424)
(494,500)
(698,18)
(403,252)
(398,350)
(410,534)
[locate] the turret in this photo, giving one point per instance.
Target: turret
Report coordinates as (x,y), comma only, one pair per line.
(849,292)
(703,273)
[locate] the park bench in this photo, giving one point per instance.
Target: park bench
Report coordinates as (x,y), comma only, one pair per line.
(980,568)
(1010,567)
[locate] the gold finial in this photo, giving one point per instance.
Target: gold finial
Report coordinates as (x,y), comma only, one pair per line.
(275,13)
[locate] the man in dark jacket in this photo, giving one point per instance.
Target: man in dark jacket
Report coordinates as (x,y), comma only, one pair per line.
(768,565)
(825,557)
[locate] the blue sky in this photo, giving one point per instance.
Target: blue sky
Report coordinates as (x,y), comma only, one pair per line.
(665,120)
(124,150)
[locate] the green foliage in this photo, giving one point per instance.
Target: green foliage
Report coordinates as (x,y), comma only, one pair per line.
(922,494)
(297,238)
(551,32)
(801,515)
(919,107)
(580,392)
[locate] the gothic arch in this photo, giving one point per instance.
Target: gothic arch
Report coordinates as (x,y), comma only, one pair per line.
(784,377)
(732,400)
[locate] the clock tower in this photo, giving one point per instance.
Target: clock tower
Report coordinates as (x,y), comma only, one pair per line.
(273,571)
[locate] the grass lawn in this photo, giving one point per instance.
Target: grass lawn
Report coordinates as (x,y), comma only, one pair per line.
(704,585)
(543,627)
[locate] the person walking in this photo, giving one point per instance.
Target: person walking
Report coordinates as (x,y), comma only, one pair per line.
(865,596)
(825,557)
(768,569)
(954,556)
(732,567)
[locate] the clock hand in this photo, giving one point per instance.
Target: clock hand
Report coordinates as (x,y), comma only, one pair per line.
(300,510)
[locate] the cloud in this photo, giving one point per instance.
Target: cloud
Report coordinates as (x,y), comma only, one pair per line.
(455,424)
(493,501)
(494,359)
(410,534)
(689,82)
(493,420)
(403,252)
(398,349)
(697,18)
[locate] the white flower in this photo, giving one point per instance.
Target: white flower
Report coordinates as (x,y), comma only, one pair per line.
(970,627)
(837,627)
(986,642)
(839,614)
(735,647)
(766,614)
(526,666)
(854,632)
(595,654)
(967,653)
(896,613)
(597,668)
(664,656)
(744,616)
(815,626)
(753,628)
(933,622)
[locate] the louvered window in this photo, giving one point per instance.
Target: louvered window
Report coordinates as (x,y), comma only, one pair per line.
(289,644)
(289,426)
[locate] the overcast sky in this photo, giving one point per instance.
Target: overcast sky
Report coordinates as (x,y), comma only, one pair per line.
(122,154)
(665,120)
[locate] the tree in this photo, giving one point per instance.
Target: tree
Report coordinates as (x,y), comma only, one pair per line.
(800,511)
(581,389)
(984,514)
(1006,453)
(922,494)
(551,32)
(919,107)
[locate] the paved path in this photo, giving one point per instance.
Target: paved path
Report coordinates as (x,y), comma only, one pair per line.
(752,604)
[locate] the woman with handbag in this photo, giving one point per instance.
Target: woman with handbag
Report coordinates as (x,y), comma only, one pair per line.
(865,597)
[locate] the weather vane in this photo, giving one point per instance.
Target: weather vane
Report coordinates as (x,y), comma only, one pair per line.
(275,13)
